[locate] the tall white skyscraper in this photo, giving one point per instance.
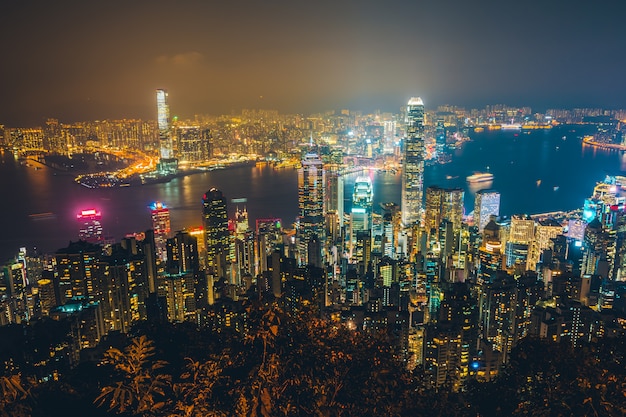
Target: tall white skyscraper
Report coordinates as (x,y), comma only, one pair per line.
(163,120)
(486,203)
(167,163)
(413,166)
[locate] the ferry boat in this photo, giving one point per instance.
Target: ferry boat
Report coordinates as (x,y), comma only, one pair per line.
(42,216)
(480,177)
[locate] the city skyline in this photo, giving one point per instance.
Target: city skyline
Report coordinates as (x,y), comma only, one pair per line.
(304,57)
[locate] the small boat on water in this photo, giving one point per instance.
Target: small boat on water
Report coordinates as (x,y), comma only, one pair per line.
(479,177)
(42,216)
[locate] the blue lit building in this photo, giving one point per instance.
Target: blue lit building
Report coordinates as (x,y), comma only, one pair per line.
(361,212)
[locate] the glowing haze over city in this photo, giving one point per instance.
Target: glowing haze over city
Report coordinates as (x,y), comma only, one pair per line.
(89,61)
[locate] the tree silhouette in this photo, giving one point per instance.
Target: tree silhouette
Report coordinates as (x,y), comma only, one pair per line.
(193,394)
(140,390)
(553,379)
(14,396)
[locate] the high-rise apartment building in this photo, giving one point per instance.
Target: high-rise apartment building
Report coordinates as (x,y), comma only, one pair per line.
(443,204)
(413,165)
(75,272)
(182,254)
(217,236)
(486,204)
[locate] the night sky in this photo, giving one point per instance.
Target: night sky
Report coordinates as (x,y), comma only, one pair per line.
(88,60)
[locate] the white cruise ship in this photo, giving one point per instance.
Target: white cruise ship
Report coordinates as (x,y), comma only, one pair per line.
(480,177)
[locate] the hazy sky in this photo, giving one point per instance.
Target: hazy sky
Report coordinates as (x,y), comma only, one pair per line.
(86,60)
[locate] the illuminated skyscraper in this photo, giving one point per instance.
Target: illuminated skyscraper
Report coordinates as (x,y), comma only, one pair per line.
(443,204)
(91,229)
(486,204)
(163,120)
(182,254)
(489,254)
(241,222)
(75,272)
(545,231)
(311,199)
(497,305)
(334,191)
(413,166)
(160,216)
(361,214)
(595,245)
(167,163)
(217,236)
(522,229)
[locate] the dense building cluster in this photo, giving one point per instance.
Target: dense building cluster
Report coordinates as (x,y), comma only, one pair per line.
(455,293)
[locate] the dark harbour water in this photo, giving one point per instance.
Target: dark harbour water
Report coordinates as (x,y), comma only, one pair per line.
(517,160)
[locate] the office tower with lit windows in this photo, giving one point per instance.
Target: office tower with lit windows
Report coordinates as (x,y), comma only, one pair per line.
(75,272)
(182,254)
(522,229)
(268,238)
(183,276)
(440,135)
(443,353)
(311,192)
(241,222)
(392,223)
(124,277)
(217,235)
(91,228)
(486,204)
(596,245)
(545,231)
(160,216)
(334,192)
(413,165)
(242,254)
(361,212)
(490,254)
(443,204)
(497,307)
(168,164)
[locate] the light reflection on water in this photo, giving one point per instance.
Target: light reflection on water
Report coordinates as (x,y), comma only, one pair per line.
(572,168)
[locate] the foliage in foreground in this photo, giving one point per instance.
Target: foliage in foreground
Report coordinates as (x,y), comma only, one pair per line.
(298,364)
